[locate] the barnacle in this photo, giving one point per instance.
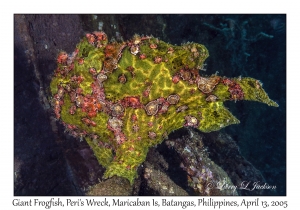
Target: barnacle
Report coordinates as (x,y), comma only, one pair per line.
(173,99)
(152,108)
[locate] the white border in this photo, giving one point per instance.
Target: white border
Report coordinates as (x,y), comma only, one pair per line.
(154,6)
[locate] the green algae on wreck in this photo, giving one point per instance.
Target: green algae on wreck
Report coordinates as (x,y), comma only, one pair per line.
(126,97)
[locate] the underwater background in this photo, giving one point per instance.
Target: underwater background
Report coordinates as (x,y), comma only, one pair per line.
(50,162)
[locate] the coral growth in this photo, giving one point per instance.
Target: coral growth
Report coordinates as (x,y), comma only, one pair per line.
(204,176)
(124,98)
